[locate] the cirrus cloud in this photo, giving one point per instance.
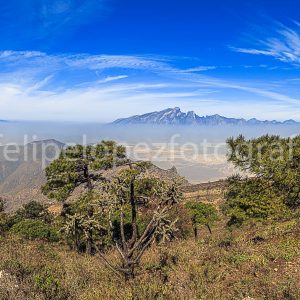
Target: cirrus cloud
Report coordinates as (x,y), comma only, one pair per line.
(284,45)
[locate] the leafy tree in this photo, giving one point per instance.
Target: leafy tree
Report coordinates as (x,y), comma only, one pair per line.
(274,184)
(132,187)
(202,214)
(125,190)
(275,160)
(80,165)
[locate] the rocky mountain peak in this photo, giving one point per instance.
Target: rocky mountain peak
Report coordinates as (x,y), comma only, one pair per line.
(174,116)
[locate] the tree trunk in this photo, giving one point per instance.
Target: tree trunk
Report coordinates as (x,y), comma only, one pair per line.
(195,228)
(89,243)
(209,229)
(195,232)
(133,215)
(129,275)
(77,242)
(89,233)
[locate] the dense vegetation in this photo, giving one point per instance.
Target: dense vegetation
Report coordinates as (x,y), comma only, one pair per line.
(272,187)
(124,233)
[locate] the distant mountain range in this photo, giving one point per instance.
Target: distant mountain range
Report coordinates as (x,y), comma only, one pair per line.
(174,116)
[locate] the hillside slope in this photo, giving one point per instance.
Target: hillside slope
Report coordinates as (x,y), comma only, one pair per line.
(260,262)
(22,178)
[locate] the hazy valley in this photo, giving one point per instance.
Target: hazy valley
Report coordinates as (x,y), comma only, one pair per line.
(197,152)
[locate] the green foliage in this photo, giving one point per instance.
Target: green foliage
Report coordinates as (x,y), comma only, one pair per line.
(115,219)
(248,199)
(275,160)
(7,221)
(35,230)
(84,204)
(144,187)
(202,213)
(77,223)
(49,285)
(78,165)
(275,163)
(33,210)
(83,230)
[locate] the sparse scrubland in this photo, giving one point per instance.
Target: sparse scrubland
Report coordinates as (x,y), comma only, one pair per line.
(132,235)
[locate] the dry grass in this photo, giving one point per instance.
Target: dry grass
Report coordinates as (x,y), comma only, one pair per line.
(261,262)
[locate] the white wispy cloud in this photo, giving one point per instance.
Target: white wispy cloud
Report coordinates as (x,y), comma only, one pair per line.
(112,78)
(253,90)
(39,85)
(283,45)
(104,105)
(81,61)
(98,62)
(199,69)
(93,87)
(15,55)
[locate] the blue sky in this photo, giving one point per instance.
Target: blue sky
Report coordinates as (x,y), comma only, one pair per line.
(97,60)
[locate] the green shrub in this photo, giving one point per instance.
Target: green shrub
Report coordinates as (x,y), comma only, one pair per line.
(201,214)
(35,230)
(33,210)
(49,285)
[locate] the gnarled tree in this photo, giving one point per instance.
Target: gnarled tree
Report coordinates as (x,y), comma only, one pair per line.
(132,188)
(80,165)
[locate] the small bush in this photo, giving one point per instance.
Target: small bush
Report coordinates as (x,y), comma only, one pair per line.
(49,285)
(34,210)
(35,230)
